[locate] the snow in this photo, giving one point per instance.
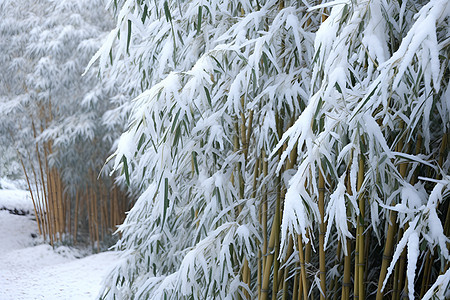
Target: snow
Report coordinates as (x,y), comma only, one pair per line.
(30,269)
(13,198)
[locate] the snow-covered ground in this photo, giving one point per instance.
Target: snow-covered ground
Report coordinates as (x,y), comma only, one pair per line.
(30,269)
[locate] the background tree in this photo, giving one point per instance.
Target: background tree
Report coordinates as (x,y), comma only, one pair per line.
(55,118)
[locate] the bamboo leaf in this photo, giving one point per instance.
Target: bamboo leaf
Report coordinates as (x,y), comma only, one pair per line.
(167,12)
(128,36)
(199,21)
(166,200)
(208,96)
(125,170)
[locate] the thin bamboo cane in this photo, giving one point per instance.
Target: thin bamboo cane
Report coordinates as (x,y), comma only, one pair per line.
(402,280)
(31,194)
(276,246)
(39,200)
(44,189)
(284,281)
(59,199)
(322,263)
(97,236)
(53,205)
(300,288)
(69,214)
(296,281)
(269,260)
(39,211)
(90,216)
(387,253)
(113,207)
(304,283)
(426,274)
(346,281)
(264,208)
(308,252)
(361,258)
(75,216)
(334,283)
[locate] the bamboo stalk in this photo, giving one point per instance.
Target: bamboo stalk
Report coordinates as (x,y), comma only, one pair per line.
(286,269)
(264,208)
(31,194)
(277,221)
(401,274)
(303,277)
(360,238)
(334,283)
(356,271)
(346,281)
(75,216)
(387,253)
(322,263)
(296,282)
(48,212)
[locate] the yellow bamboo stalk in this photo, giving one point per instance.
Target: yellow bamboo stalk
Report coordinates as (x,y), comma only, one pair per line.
(264,208)
(334,283)
(361,258)
(356,271)
(303,277)
(31,194)
(296,282)
(269,260)
(276,246)
(322,263)
(284,277)
(75,216)
(387,253)
(346,281)
(97,236)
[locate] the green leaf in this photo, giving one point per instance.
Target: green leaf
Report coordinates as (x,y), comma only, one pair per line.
(336,85)
(144,14)
(125,170)
(129,36)
(194,157)
(166,199)
(167,12)
(174,123)
(208,96)
(199,21)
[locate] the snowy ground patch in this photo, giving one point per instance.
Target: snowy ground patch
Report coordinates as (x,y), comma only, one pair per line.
(30,269)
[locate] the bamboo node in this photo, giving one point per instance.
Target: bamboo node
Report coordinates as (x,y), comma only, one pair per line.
(347,285)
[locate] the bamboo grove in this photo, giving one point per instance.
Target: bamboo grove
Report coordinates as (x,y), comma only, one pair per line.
(53,118)
(283,149)
(95,209)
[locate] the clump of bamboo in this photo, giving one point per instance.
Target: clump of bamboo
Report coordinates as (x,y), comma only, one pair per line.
(61,217)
